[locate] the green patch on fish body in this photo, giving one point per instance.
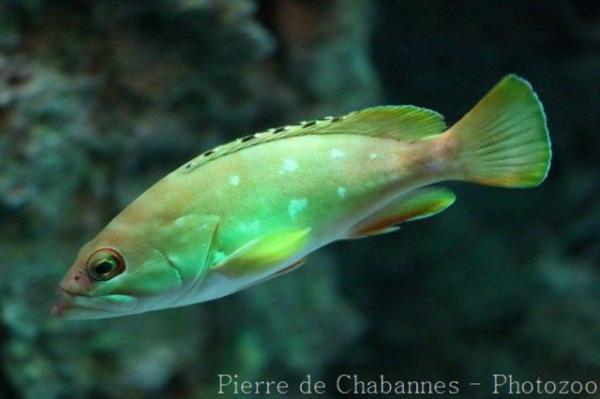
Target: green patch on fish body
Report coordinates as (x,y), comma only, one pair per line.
(252,209)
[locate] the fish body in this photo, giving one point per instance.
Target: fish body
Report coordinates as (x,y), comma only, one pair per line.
(294,184)
(253,209)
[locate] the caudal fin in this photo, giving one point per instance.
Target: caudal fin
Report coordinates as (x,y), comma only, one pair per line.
(503,140)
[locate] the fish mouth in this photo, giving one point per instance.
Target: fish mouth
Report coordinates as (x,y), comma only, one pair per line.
(76,306)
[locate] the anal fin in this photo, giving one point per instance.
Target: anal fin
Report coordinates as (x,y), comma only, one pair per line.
(415,205)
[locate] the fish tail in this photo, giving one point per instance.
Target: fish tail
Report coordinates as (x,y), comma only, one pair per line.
(503,141)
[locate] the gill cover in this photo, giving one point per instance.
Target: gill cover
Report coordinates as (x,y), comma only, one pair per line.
(182,245)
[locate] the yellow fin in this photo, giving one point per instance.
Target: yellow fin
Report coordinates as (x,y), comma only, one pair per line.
(264,252)
(398,122)
(503,141)
(415,205)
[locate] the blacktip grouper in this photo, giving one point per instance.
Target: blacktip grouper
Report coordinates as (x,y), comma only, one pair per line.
(253,209)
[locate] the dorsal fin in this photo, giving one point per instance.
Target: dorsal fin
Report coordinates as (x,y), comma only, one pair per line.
(400,122)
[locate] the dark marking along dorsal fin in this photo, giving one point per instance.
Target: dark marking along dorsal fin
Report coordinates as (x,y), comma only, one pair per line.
(398,122)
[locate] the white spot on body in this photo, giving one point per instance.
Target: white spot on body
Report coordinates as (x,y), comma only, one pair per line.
(234,180)
(289,165)
(373,155)
(252,227)
(341,192)
(296,206)
(336,153)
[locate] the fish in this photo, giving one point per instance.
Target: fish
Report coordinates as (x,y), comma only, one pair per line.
(253,209)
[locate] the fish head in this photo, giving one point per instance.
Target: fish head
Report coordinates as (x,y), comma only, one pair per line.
(117,273)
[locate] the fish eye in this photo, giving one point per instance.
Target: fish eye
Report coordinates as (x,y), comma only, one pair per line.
(105,264)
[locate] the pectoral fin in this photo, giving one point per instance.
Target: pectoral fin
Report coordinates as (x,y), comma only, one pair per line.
(264,252)
(415,205)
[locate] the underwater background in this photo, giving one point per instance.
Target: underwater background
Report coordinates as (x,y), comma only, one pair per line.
(99,99)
